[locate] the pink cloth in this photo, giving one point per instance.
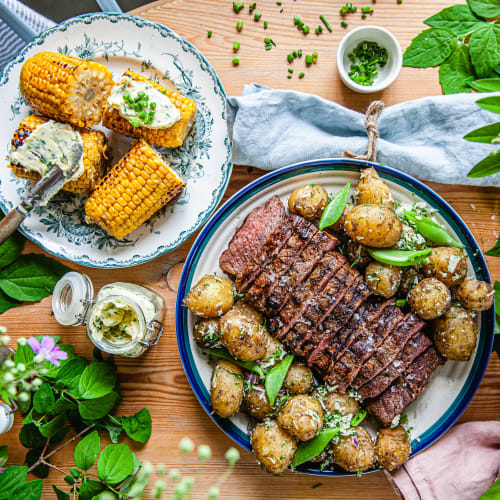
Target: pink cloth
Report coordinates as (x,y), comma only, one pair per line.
(460,466)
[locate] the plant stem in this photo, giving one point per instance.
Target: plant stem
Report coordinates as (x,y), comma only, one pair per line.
(52,466)
(91,426)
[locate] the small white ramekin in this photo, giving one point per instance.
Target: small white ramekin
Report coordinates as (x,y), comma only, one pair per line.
(385,39)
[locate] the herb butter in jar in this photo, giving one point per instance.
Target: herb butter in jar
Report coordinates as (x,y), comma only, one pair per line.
(123,319)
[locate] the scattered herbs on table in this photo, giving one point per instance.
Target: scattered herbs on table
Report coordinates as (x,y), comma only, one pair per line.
(209,33)
(325,22)
(365,59)
(269,43)
(236,46)
(239,25)
(237,6)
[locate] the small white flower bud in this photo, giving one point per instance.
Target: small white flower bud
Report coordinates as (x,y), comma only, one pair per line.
(8,363)
(39,358)
(7,378)
(21,367)
(12,390)
(213,492)
(21,341)
(186,445)
(36,382)
(23,397)
(4,339)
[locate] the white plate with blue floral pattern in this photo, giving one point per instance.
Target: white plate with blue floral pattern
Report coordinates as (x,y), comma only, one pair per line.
(123,41)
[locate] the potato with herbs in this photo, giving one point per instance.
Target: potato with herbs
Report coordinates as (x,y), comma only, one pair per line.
(429,298)
(226,391)
(274,352)
(357,255)
(447,264)
(373,226)
(273,447)
(392,447)
(373,190)
(242,306)
(206,332)
(257,402)
(410,239)
(302,417)
(309,201)
(455,334)
(335,402)
(355,452)
(211,297)
(476,295)
(242,336)
(299,379)
(383,279)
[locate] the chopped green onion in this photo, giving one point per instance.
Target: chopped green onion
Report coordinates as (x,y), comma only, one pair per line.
(251,7)
(209,33)
(281,10)
(365,58)
(236,46)
(319,29)
(363,16)
(152,105)
(239,25)
(265,25)
(126,97)
(143,115)
(367,10)
(344,24)
(257,16)
(289,76)
(278,3)
(309,59)
(294,54)
(314,57)
(135,122)
(301,74)
(400,1)
(290,70)
(290,58)
(269,43)
(237,6)
(296,20)
(299,52)
(325,22)
(305,29)
(236,61)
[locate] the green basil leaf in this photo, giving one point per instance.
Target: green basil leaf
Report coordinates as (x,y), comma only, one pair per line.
(64,404)
(97,380)
(7,302)
(53,370)
(24,354)
(275,378)
(115,463)
(32,490)
(11,248)
(484,45)
(31,277)
(69,374)
(90,488)
(457,18)
(32,456)
(399,257)
(11,478)
(54,426)
(312,448)
(31,437)
(495,252)
(485,8)
(488,166)
(87,450)
(493,493)
(4,454)
(484,134)
(43,400)
(93,409)
(60,494)
(248,365)
(454,71)
(138,426)
(490,104)
(430,48)
(113,426)
(486,85)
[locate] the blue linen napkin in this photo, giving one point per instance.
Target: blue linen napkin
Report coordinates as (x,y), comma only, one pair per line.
(274,128)
(10,42)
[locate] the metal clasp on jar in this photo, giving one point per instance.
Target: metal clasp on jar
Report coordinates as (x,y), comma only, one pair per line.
(154,329)
(87,305)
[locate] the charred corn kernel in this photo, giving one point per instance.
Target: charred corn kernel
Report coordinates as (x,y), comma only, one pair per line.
(95,156)
(66,88)
(140,163)
(170,137)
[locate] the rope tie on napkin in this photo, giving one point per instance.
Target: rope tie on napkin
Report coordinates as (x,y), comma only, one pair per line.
(371,117)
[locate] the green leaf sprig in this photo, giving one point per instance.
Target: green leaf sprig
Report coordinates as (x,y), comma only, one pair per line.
(312,448)
(333,211)
(275,378)
(399,257)
(430,230)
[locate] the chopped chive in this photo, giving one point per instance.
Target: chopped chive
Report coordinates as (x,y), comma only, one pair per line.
(236,46)
(281,10)
(236,61)
(278,3)
(354,9)
(152,105)
(290,58)
(265,25)
(296,19)
(400,1)
(290,70)
(309,59)
(239,25)
(363,16)
(135,122)
(209,33)
(257,16)
(294,54)
(366,9)
(289,76)
(314,57)
(325,22)
(237,6)
(319,29)
(252,7)
(344,24)
(305,29)
(301,74)
(299,52)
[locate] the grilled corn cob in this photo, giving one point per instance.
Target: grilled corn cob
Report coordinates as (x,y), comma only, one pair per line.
(95,158)
(170,137)
(65,88)
(132,191)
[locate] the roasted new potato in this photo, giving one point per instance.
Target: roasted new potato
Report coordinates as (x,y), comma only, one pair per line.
(308,201)
(299,379)
(355,453)
(357,255)
(447,264)
(302,417)
(476,295)
(257,402)
(211,297)
(383,279)
(339,226)
(429,298)
(340,403)
(409,279)
(455,334)
(226,391)
(373,226)
(206,332)
(242,306)
(410,239)
(273,446)
(373,190)
(392,447)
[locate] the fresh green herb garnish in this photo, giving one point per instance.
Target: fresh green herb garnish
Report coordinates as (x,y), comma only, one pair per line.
(365,58)
(275,378)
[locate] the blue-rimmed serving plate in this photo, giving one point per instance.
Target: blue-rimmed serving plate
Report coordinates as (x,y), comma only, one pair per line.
(122,41)
(451,387)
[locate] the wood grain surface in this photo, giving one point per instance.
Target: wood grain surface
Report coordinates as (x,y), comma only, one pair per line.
(157,380)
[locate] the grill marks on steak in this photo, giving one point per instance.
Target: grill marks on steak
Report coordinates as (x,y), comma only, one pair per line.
(251,236)
(415,346)
(268,278)
(406,388)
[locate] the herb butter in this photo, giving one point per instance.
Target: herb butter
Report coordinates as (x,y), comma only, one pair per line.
(116,322)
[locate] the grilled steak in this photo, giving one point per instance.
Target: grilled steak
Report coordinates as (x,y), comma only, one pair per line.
(415,346)
(406,388)
(251,236)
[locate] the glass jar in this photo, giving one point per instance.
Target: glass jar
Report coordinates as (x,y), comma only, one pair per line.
(123,319)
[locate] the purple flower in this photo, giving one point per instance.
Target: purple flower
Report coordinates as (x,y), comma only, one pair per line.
(47,349)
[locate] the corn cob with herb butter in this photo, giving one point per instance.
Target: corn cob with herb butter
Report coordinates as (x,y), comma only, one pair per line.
(95,155)
(65,88)
(139,185)
(140,108)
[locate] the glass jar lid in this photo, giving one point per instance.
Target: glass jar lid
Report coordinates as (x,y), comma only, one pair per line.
(72,299)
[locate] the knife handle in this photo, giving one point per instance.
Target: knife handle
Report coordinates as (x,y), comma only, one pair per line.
(11,222)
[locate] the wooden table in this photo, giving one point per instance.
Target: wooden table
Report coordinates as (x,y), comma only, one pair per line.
(174,408)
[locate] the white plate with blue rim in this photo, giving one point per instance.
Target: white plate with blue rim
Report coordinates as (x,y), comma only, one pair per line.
(451,387)
(122,41)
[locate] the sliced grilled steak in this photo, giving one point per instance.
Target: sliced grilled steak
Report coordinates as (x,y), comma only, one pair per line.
(319,308)
(277,267)
(389,349)
(406,388)
(376,329)
(320,244)
(305,292)
(251,236)
(415,346)
(275,242)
